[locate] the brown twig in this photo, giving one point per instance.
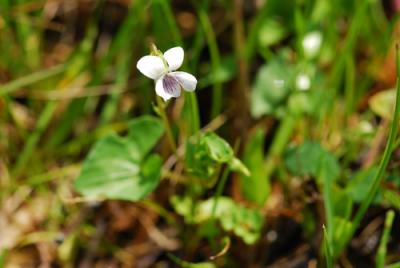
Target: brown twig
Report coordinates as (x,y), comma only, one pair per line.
(241,93)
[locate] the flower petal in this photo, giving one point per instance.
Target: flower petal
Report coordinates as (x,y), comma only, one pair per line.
(174,57)
(168,87)
(151,66)
(187,81)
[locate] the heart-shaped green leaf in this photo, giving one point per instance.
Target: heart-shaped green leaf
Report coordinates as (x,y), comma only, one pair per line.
(311,159)
(116,167)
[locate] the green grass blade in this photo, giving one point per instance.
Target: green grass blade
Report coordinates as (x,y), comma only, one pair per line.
(327,250)
(166,10)
(78,64)
(31,79)
(385,159)
(382,248)
(279,143)
(73,69)
(252,39)
(110,107)
(350,42)
(194,108)
(30,145)
(28,36)
(329,208)
(205,22)
(123,71)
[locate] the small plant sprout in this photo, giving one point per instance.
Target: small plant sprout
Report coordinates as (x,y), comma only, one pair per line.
(162,69)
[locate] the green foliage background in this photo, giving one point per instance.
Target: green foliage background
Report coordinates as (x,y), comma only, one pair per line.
(286,154)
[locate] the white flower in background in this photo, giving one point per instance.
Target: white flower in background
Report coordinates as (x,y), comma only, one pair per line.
(312,43)
(303,82)
(162,69)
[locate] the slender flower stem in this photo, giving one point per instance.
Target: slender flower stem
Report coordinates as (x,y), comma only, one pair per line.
(161,111)
(220,188)
(221,185)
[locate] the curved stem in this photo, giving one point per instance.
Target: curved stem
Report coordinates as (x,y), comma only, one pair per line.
(385,158)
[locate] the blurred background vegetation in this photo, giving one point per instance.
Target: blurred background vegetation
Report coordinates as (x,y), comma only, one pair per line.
(302,89)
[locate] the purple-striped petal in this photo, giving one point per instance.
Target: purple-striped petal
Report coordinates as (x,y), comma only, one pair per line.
(168,87)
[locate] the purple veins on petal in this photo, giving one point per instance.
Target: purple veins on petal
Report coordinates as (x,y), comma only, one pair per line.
(170,84)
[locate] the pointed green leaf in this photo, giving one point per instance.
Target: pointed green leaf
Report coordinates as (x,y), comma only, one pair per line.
(255,186)
(236,165)
(205,153)
(219,149)
(145,132)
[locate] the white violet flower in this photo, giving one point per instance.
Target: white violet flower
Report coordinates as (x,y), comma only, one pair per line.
(162,69)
